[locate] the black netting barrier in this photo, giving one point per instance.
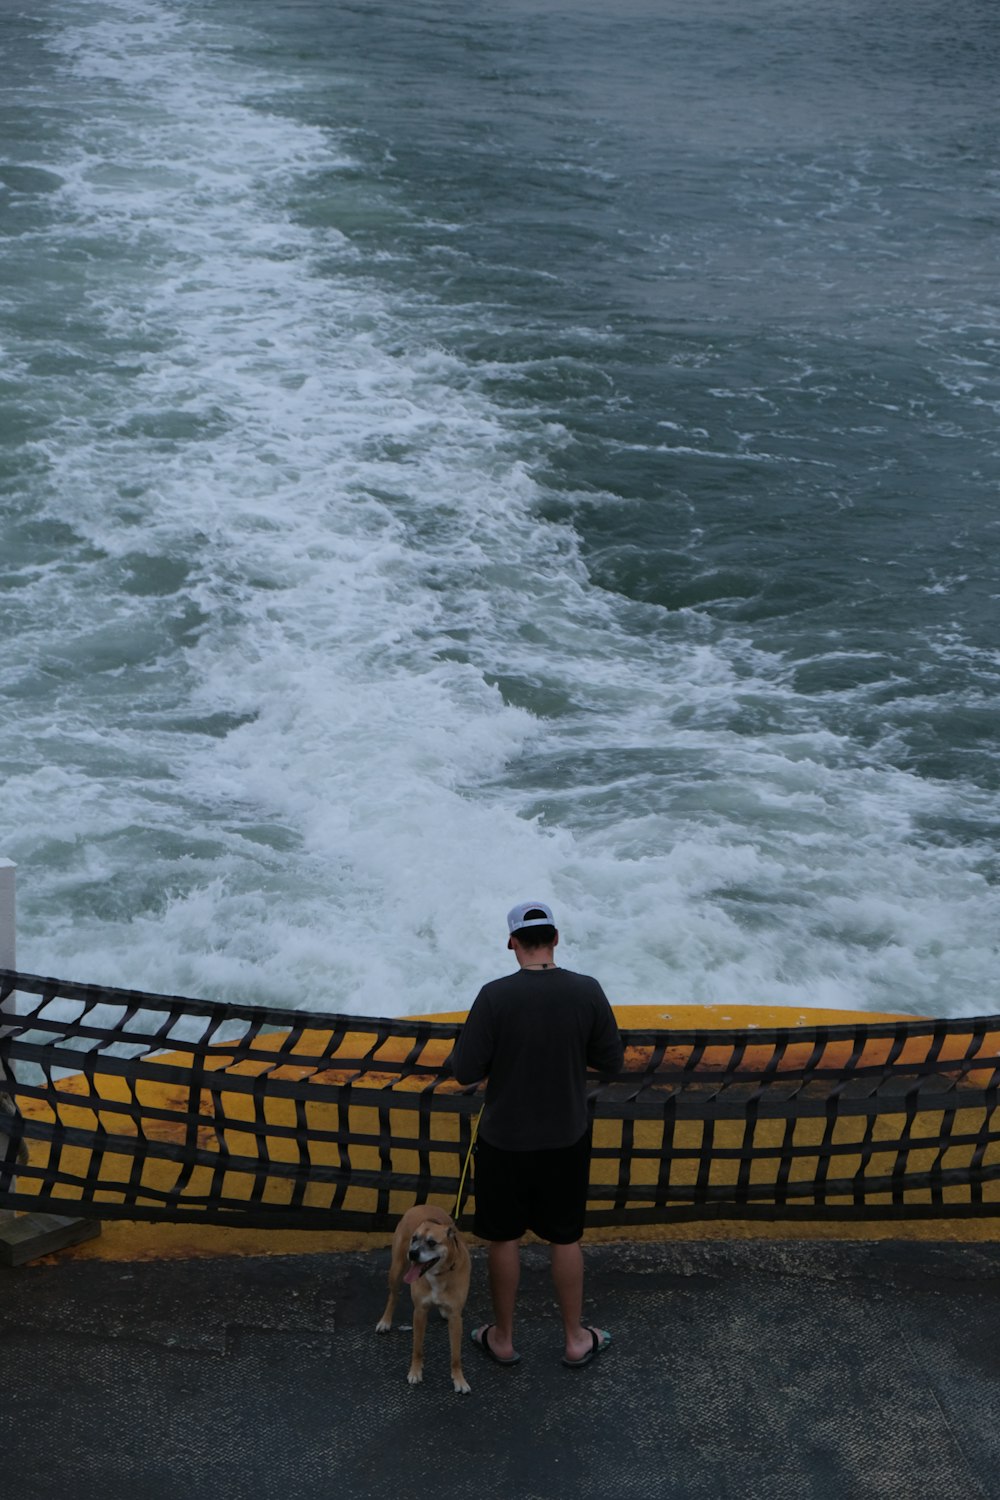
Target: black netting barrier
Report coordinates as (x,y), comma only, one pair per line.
(154,1107)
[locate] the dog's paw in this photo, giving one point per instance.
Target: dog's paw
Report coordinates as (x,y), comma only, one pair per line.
(462,1386)
(415,1377)
(382,1326)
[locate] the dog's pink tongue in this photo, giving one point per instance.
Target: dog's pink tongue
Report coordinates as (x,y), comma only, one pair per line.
(413,1274)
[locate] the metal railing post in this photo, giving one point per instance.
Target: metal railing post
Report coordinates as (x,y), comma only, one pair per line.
(8,960)
(8,926)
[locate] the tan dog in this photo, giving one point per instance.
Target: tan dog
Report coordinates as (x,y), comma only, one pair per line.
(430,1254)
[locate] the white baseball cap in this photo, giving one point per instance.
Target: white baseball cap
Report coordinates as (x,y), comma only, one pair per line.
(529,914)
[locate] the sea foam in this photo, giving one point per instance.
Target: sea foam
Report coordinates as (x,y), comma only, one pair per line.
(306,688)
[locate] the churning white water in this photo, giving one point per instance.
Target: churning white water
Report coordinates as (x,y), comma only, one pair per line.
(315,656)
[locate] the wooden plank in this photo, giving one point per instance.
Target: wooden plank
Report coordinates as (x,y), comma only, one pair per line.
(28,1236)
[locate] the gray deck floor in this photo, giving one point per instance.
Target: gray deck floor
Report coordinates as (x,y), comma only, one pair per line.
(854,1371)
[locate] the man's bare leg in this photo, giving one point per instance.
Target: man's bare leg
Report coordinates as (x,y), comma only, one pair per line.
(567,1278)
(505,1275)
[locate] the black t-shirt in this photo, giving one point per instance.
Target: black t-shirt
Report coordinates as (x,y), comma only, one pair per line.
(532,1035)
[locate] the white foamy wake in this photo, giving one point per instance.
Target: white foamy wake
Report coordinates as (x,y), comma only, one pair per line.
(283,769)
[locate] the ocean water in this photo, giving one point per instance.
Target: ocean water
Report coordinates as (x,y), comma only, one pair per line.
(452,454)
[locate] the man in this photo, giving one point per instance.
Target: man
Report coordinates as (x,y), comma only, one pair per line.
(532,1035)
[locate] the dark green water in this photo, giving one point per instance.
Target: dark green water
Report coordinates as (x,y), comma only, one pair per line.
(453,454)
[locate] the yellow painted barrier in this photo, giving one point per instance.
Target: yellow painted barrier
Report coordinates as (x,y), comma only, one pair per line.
(124,1239)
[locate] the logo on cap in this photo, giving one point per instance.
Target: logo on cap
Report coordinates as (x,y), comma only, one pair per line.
(529,914)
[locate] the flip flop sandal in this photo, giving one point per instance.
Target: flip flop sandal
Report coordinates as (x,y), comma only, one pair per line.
(600,1343)
(478,1336)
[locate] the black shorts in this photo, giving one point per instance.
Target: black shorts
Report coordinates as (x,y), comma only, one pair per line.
(544,1191)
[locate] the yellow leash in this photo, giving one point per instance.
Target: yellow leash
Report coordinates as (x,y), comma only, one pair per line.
(465,1169)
